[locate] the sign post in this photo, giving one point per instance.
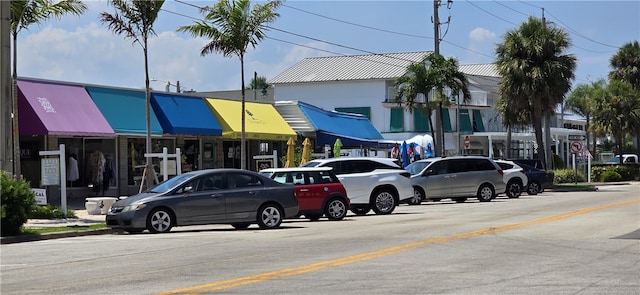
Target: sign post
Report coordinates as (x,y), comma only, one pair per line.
(53,174)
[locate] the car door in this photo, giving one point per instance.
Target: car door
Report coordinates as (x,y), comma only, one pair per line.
(317,191)
(462,177)
(354,176)
(243,195)
(206,201)
(435,181)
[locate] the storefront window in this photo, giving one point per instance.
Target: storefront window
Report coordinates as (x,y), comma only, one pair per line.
(91,162)
(136,161)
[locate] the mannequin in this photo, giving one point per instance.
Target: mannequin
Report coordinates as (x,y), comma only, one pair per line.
(72,171)
(97,162)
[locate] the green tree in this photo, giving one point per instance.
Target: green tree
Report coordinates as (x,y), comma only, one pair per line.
(514,113)
(135,19)
(534,69)
(581,101)
(615,111)
(259,83)
(25,13)
(231,26)
(433,73)
(626,67)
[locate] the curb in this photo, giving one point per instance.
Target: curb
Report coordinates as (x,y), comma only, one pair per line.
(50,236)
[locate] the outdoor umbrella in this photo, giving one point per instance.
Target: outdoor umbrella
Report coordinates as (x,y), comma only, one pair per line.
(336,148)
(305,151)
(405,154)
(290,153)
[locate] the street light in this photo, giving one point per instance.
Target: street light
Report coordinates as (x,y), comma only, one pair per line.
(167,87)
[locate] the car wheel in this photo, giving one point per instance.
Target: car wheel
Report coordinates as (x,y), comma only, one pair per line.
(360,210)
(269,216)
(533,188)
(514,189)
(417,198)
(383,202)
(240,225)
(485,193)
(460,200)
(336,209)
(159,221)
(313,217)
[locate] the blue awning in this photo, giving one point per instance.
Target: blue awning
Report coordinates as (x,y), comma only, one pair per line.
(323,138)
(125,110)
(353,130)
(184,115)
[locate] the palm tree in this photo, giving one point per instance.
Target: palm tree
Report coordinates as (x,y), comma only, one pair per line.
(581,101)
(231,27)
(434,72)
(626,67)
(513,113)
(134,19)
(615,110)
(533,68)
(23,14)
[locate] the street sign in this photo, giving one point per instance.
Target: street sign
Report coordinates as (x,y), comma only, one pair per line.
(467,142)
(576,146)
(577,137)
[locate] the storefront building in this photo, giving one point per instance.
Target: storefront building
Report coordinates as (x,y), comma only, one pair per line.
(265,131)
(51,114)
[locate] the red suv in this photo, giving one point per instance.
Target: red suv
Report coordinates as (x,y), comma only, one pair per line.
(318,190)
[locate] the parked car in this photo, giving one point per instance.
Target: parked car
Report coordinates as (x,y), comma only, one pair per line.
(456,178)
(213,196)
(318,190)
(538,179)
(377,184)
(515,178)
(626,159)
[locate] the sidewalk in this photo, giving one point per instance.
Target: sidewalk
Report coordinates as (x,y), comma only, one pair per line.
(78,207)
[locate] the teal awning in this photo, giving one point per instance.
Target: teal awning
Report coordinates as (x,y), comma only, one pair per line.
(125,110)
(465,122)
(478,125)
(420,121)
(446,121)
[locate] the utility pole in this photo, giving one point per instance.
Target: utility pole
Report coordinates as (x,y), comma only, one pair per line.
(439,148)
(6,150)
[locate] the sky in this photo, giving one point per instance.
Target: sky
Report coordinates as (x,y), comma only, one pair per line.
(81,49)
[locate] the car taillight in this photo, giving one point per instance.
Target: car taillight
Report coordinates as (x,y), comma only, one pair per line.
(406,174)
(500,172)
(522,171)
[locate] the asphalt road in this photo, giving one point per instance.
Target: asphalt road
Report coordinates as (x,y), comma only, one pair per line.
(553,243)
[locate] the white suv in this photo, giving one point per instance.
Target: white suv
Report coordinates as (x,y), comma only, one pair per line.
(371,183)
(515,178)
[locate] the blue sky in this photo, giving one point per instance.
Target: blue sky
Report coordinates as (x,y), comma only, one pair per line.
(82,49)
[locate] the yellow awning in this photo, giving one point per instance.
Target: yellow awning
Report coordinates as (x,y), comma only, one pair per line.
(262,121)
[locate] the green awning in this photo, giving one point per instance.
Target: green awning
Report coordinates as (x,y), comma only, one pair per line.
(446,121)
(420,121)
(397,120)
(478,125)
(465,122)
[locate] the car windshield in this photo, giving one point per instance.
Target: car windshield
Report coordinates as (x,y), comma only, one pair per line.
(417,167)
(168,184)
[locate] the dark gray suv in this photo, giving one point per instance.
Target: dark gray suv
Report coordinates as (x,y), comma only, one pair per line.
(456,178)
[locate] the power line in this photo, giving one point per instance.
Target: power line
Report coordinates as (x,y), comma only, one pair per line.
(489,13)
(577,33)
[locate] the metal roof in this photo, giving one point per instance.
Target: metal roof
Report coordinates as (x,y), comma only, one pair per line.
(350,67)
(366,67)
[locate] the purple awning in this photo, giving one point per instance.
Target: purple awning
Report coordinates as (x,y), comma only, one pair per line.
(56,109)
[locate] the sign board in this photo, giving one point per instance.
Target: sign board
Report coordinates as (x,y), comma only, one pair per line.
(577,137)
(50,171)
(41,195)
(264,164)
(576,146)
(467,142)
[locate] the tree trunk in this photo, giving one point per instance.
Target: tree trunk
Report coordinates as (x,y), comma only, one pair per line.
(547,140)
(507,153)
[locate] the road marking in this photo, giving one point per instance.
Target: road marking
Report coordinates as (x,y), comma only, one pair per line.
(288,272)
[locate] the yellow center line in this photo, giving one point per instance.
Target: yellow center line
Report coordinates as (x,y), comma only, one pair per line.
(288,272)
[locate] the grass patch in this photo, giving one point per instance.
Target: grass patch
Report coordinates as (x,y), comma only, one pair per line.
(60,229)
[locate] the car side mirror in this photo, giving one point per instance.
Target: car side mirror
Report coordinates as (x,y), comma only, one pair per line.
(428,172)
(188,189)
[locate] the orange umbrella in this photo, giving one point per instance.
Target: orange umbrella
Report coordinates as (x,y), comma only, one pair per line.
(290,153)
(306,153)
